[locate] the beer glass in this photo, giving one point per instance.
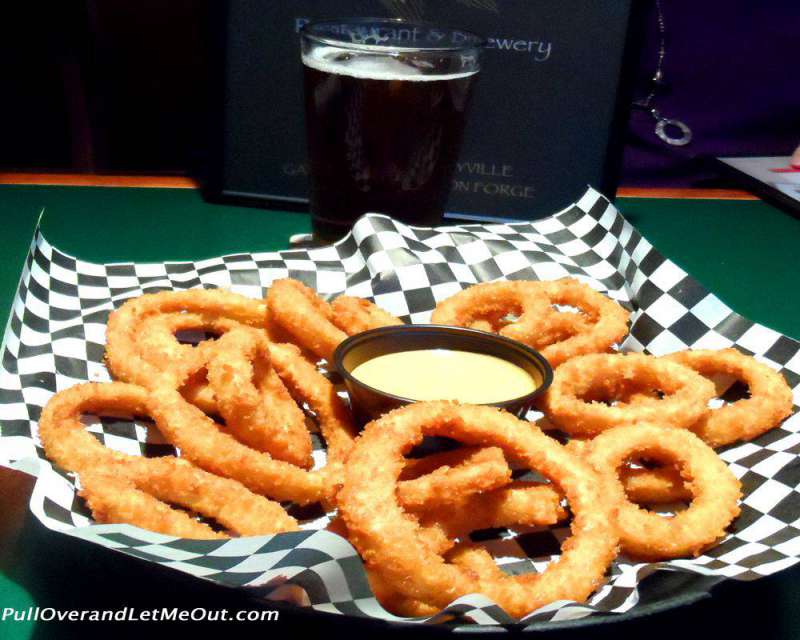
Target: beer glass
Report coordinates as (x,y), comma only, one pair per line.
(386,101)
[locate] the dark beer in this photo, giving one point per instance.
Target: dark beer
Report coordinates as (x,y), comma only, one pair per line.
(382,137)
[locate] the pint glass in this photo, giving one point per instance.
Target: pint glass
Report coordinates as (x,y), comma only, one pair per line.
(386,102)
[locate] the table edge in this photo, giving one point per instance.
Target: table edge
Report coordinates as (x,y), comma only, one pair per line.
(186,182)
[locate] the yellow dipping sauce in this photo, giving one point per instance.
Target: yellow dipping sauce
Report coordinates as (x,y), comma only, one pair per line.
(443,374)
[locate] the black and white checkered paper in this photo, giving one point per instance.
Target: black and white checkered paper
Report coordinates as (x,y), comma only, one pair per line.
(56,335)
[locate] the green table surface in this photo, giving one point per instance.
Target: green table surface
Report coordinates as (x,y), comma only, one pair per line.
(741,250)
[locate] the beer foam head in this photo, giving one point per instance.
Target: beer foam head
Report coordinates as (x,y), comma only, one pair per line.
(372,66)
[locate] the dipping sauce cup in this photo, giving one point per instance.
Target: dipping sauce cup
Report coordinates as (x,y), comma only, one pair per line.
(370,402)
(386,106)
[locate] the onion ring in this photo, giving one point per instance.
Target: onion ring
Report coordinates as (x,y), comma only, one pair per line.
(416,467)
(519,503)
(198,392)
(769,403)
(355,315)
(601,323)
(531,504)
(395,602)
(158,345)
(124,356)
(299,312)
(116,500)
(484,305)
(307,384)
(478,470)
(461,508)
(461,505)
(685,401)
(559,335)
(715,490)
(138,496)
(660,485)
(257,409)
(64,437)
(389,538)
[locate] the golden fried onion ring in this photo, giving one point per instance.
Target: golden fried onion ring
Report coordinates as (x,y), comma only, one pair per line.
(662,485)
(559,335)
(158,345)
(141,496)
(116,500)
(355,315)
(483,306)
(130,362)
(478,469)
(255,404)
(715,491)
(659,485)
(770,398)
(685,401)
(307,319)
(601,323)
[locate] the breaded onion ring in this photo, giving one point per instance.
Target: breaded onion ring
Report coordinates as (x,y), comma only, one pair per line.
(770,398)
(461,508)
(126,359)
(660,485)
(460,504)
(141,494)
(531,504)
(417,467)
(483,306)
(354,315)
(200,440)
(157,342)
(307,384)
(478,470)
(477,559)
(601,323)
(685,401)
(300,313)
(432,537)
(389,539)
(115,500)
(255,404)
(559,335)
(393,601)
(198,392)
(519,503)
(158,345)
(715,491)
(65,438)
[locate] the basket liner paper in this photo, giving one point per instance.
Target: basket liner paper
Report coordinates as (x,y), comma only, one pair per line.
(56,335)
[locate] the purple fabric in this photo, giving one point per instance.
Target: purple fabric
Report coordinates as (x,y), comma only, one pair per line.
(732,73)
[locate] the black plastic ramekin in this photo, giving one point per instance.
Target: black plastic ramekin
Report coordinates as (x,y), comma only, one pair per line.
(368,402)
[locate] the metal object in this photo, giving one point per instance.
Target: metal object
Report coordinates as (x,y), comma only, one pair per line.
(657,83)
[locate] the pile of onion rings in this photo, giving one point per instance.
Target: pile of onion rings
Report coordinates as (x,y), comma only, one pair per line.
(627,431)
